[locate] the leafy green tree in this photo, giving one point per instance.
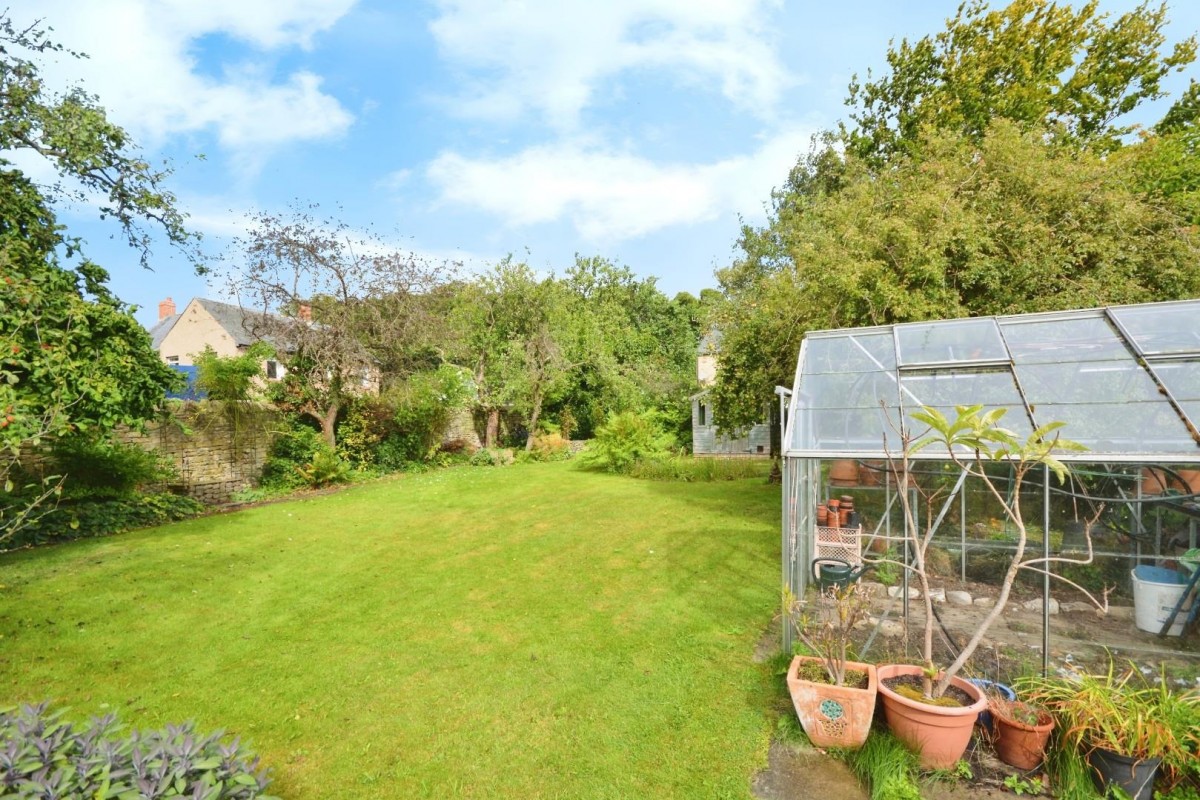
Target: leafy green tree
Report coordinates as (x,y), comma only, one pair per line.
(72,132)
(73,360)
(988,170)
(515,336)
(1048,66)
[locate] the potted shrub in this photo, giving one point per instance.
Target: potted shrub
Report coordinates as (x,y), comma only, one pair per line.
(931,708)
(834,697)
(1130,731)
(1021,731)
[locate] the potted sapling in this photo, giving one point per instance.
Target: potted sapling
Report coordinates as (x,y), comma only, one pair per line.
(834,697)
(927,706)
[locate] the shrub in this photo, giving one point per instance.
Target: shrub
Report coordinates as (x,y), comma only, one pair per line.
(106,468)
(231,378)
(422,409)
(495,457)
(44,756)
(291,452)
(325,468)
(625,439)
(79,519)
(369,421)
(550,447)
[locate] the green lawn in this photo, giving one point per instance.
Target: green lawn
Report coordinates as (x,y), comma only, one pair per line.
(525,632)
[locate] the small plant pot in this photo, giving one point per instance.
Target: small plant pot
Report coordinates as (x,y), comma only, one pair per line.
(1135,777)
(1020,745)
(939,734)
(833,716)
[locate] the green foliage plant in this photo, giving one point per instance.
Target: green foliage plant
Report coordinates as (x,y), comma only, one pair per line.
(107,467)
(46,756)
(1119,710)
(492,457)
(972,440)
(231,378)
(295,448)
(100,516)
(1019,786)
(886,766)
(625,439)
(324,469)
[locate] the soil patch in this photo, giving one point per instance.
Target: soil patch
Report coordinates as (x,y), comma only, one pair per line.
(911,687)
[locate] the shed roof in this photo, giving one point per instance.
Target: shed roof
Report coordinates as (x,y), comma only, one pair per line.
(1124,379)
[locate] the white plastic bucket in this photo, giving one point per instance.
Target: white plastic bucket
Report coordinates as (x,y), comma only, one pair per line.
(1156,591)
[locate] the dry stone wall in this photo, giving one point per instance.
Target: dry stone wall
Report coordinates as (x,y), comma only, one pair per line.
(217,448)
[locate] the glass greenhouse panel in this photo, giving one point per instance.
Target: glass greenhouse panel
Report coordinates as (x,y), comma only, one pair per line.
(950,341)
(845,430)
(1146,427)
(848,389)
(1064,340)
(868,352)
(1162,328)
(1182,378)
(1086,382)
(960,387)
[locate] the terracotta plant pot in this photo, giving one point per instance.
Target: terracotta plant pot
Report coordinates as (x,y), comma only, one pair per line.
(844,472)
(833,716)
(1156,481)
(1020,745)
(939,734)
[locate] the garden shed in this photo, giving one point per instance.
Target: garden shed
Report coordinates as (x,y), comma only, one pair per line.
(1125,380)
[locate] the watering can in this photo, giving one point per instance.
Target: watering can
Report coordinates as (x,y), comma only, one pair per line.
(831,572)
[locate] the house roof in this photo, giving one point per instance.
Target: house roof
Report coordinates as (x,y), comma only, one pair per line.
(236,321)
(1124,379)
(710,343)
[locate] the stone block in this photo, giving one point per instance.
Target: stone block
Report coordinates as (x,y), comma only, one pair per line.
(958,598)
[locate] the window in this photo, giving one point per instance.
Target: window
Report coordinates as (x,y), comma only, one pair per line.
(272,370)
(173,360)
(703,415)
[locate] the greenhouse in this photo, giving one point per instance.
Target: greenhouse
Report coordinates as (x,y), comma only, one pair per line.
(1124,381)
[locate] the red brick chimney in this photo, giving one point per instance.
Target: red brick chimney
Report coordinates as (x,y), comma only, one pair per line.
(166,309)
(305,312)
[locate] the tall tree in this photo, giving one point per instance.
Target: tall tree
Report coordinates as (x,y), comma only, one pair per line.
(988,170)
(1035,62)
(73,360)
(515,340)
(328,299)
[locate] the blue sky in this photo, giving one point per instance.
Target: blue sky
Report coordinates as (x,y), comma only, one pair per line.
(639,130)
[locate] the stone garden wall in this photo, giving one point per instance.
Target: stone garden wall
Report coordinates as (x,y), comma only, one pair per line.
(217,449)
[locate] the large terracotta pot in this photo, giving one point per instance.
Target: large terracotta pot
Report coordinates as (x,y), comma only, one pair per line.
(1020,745)
(1156,481)
(939,734)
(843,472)
(833,716)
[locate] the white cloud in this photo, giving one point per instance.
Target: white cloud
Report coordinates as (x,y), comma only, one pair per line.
(142,66)
(549,56)
(609,195)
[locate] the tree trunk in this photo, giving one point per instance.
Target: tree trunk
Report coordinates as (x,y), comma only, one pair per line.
(493,428)
(533,420)
(328,424)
